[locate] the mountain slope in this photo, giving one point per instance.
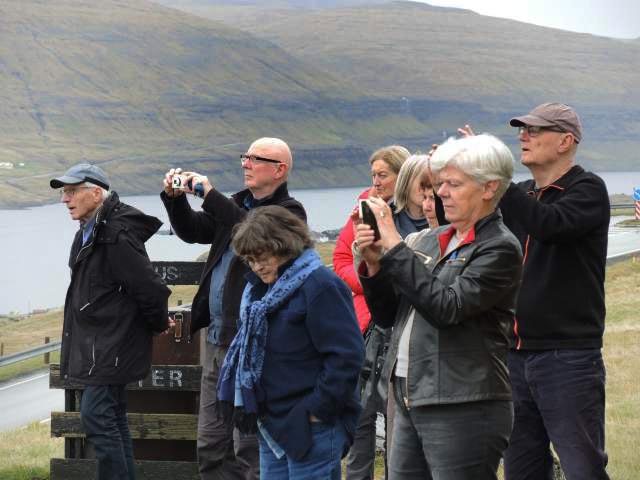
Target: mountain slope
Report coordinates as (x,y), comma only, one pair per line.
(451,66)
(140,87)
(414,49)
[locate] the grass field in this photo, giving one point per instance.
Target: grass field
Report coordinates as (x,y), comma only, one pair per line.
(25,453)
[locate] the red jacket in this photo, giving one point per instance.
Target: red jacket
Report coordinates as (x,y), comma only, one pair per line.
(343,266)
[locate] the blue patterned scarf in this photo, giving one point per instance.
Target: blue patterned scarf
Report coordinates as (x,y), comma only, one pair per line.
(239,392)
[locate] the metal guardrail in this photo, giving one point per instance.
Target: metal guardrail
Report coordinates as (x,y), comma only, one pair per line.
(622,205)
(31,353)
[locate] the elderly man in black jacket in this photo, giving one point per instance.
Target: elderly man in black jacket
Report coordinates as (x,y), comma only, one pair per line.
(216,305)
(114,304)
(561,218)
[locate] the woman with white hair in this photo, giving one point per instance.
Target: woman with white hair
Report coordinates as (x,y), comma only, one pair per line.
(450,295)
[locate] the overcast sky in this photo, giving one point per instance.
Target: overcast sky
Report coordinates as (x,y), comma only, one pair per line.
(610,18)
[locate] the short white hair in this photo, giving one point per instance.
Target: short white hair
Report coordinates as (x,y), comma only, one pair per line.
(104,191)
(482,157)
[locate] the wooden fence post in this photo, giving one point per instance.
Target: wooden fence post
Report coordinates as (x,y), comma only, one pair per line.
(46,355)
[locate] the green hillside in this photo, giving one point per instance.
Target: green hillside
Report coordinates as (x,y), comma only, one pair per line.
(419,51)
(139,87)
(449,66)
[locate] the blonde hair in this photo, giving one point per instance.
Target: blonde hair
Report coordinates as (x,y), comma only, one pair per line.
(411,169)
(393,155)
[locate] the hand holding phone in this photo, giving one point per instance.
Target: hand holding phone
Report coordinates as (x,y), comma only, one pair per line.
(367,216)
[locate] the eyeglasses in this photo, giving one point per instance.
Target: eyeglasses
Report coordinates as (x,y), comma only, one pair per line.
(244,158)
(71,191)
(260,260)
(533,131)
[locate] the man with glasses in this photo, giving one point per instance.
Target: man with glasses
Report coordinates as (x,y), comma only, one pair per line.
(115,302)
(561,218)
(216,305)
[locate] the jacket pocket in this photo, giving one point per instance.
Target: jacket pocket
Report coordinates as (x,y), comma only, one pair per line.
(105,356)
(82,357)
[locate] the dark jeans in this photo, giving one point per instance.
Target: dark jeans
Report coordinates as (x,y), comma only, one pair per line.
(461,441)
(223,453)
(558,398)
(322,462)
(103,413)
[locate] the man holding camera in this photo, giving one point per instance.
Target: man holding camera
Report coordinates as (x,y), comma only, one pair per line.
(216,305)
(114,304)
(561,218)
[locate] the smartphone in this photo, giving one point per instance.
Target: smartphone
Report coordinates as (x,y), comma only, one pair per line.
(367,216)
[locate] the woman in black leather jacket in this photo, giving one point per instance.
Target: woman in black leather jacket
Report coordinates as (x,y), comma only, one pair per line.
(450,295)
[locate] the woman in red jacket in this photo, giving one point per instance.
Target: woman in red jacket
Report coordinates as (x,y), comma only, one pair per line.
(385,166)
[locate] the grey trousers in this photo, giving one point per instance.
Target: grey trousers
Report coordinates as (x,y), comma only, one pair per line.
(462,441)
(223,453)
(362,454)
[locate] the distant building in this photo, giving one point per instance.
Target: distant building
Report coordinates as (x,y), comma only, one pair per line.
(6,165)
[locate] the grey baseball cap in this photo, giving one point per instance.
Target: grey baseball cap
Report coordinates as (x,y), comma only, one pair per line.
(556,115)
(82,172)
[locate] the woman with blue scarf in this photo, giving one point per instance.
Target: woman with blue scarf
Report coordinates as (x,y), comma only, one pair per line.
(292,370)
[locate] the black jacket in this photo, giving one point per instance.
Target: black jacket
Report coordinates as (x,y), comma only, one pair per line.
(563,231)
(463,301)
(214,226)
(115,300)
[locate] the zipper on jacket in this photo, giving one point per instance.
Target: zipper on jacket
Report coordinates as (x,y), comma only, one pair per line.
(525,256)
(406,380)
(85,306)
(93,357)
(93,234)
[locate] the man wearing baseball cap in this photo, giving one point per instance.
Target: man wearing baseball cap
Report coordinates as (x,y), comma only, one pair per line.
(114,304)
(561,218)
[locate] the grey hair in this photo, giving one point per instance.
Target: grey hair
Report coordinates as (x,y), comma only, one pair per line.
(104,191)
(273,230)
(412,168)
(482,157)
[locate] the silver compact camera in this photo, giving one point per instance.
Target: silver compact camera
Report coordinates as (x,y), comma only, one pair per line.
(179,182)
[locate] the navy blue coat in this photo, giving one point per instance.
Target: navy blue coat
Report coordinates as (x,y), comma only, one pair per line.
(313,357)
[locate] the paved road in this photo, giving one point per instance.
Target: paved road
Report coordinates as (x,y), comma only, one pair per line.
(622,240)
(27,400)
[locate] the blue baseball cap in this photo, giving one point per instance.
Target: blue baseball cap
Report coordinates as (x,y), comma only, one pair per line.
(82,172)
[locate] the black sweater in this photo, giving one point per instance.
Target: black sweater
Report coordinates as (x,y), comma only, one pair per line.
(214,225)
(563,230)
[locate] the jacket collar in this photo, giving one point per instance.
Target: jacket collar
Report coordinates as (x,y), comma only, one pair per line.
(445,237)
(559,184)
(245,197)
